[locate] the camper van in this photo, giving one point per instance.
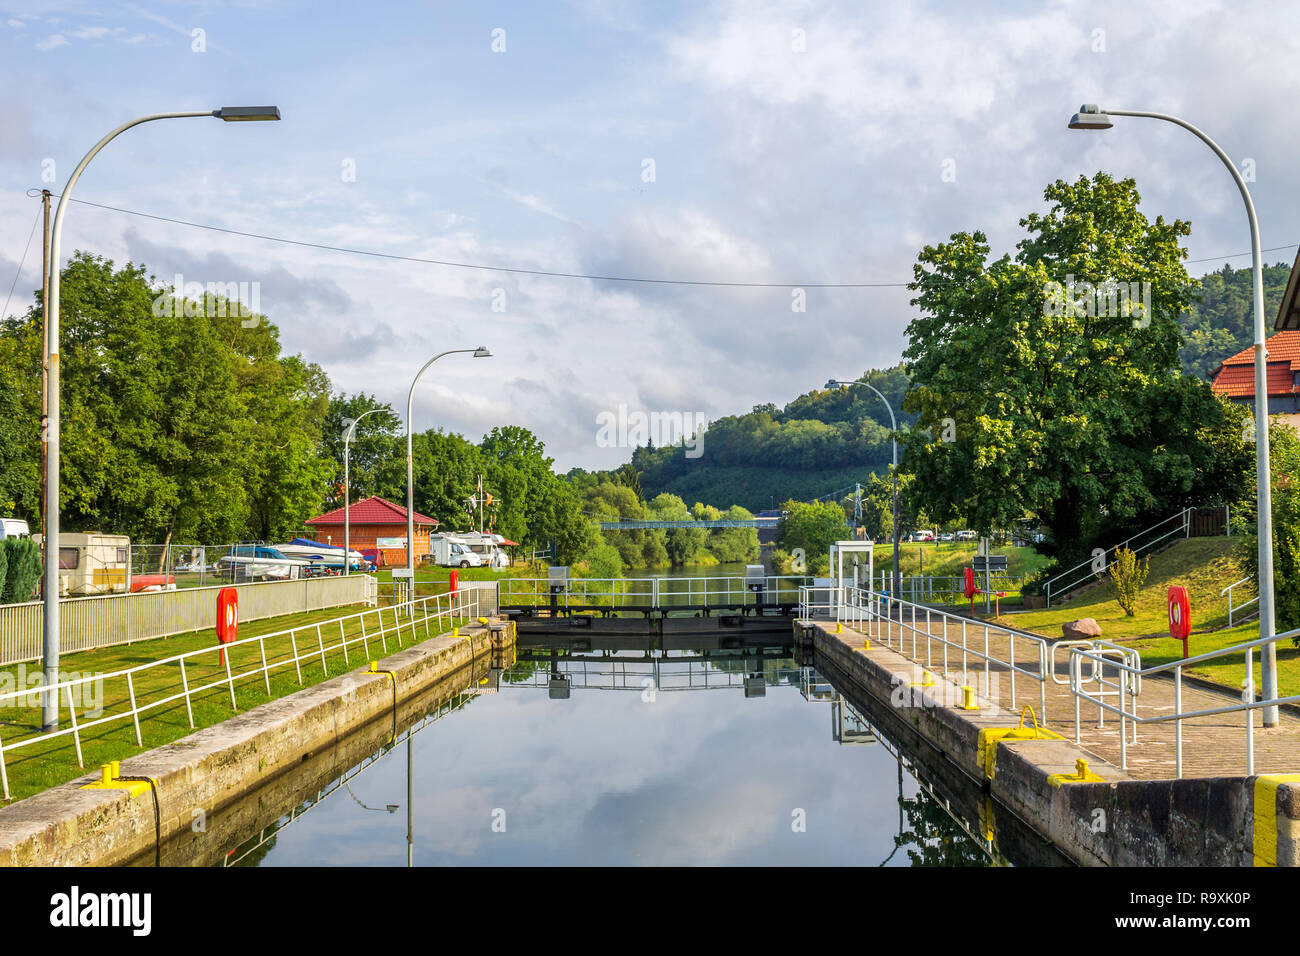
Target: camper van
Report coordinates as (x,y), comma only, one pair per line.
(93,563)
(452,551)
(14,528)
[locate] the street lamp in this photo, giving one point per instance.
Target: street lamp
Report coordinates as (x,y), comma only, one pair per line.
(50,626)
(480,352)
(348,434)
(1091,116)
(893,423)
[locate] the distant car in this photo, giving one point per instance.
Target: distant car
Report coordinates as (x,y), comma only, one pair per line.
(923,536)
(966,536)
(947,536)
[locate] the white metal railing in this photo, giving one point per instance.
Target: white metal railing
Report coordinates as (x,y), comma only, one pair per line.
(878,612)
(443,609)
(1128,674)
(651,592)
(111,619)
(946,588)
(1178,524)
(1233,609)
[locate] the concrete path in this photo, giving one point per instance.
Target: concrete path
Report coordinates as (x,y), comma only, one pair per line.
(1212,746)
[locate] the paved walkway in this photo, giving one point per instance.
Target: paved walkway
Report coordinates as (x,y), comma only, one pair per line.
(1212,746)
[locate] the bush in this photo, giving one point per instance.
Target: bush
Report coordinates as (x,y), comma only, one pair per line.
(1127,575)
(21,570)
(604,561)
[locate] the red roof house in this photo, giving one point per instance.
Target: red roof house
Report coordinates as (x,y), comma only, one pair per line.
(1234,379)
(377,523)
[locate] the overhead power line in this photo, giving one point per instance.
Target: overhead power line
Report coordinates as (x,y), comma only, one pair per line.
(485,267)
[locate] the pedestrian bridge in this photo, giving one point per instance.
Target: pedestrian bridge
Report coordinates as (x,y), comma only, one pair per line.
(673,525)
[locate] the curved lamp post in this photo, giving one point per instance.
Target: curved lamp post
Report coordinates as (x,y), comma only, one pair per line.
(349,433)
(50,626)
(893,423)
(480,352)
(1092,117)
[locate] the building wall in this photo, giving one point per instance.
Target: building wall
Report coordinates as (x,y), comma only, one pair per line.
(362,537)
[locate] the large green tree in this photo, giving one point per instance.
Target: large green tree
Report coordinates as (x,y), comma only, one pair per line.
(1029,402)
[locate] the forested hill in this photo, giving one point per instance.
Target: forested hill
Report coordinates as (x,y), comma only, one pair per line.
(824,441)
(818,443)
(1222,323)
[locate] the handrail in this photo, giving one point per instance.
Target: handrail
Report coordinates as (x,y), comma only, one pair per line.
(1243,604)
(462,604)
(872,607)
(1183,516)
(1179,715)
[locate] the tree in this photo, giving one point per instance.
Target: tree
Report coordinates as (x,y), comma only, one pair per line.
(811,526)
(1284,462)
(1080,416)
(681,544)
(377,441)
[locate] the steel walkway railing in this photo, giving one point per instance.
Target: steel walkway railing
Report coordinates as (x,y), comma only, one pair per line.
(443,610)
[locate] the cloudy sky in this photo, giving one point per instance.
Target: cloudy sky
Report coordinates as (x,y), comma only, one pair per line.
(787,143)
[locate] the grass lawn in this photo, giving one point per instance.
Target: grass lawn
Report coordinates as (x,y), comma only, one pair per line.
(45,764)
(1204,566)
(949,557)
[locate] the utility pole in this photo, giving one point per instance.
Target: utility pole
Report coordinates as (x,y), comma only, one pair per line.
(45,364)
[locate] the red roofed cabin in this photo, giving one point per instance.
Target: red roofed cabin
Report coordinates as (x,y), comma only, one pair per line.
(376,523)
(1234,379)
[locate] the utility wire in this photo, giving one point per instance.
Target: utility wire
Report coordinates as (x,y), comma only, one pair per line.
(490,268)
(650,280)
(21,262)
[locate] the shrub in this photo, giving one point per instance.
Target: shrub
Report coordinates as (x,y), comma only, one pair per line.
(23,559)
(1127,575)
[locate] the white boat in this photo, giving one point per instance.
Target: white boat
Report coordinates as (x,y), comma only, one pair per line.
(260,561)
(319,555)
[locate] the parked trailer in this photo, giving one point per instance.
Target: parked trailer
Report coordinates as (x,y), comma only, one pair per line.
(93,563)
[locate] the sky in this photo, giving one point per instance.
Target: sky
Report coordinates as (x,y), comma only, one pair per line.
(783,143)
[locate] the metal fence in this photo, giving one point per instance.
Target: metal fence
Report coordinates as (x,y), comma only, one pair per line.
(657,592)
(111,619)
(1175,526)
(948,588)
(1096,669)
(307,644)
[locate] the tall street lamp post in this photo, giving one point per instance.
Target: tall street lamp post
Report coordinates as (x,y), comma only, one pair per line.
(1092,117)
(349,433)
(480,352)
(50,626)
(893,424)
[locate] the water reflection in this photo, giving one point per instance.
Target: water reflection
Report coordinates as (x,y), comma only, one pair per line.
(656,775)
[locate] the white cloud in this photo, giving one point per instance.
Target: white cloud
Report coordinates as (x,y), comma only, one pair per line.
(52,42)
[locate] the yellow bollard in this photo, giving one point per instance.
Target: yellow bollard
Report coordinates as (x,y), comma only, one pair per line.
(839,628)
(106,774)
(117,768)
(455,632)
(968,698)
(866,644)
(1081,768)
(374,667)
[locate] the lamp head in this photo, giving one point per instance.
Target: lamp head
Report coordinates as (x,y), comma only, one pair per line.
(1090,116)
(247,114)
(482,352)
(833,383)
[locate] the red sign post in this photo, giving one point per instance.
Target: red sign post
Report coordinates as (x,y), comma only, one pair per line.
(1180,615)
(227,618)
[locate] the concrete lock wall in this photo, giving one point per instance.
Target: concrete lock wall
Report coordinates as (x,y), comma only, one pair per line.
(211,770)
(1121,821)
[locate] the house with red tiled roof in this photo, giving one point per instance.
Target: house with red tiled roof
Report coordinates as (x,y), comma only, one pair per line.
(377,523)
(1234,379)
